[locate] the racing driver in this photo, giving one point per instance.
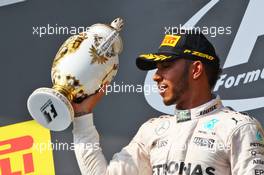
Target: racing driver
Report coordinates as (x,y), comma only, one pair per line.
(202,138)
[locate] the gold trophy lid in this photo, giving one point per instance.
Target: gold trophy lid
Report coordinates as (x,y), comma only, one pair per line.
(118,24)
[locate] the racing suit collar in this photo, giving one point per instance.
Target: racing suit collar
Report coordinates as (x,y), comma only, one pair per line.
(200,111)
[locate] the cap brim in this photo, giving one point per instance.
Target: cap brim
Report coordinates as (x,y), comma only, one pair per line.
(149,61)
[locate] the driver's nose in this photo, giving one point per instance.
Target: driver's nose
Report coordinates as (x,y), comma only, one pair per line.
(157,77)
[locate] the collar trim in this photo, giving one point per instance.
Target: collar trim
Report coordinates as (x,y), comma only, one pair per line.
(197,112)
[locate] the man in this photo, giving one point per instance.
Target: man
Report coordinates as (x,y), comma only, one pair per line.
(202,138)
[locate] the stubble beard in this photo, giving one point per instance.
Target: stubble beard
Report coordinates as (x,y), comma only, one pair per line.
(180,89)
(178,92)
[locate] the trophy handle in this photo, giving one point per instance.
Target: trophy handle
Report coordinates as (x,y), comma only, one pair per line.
(50,108)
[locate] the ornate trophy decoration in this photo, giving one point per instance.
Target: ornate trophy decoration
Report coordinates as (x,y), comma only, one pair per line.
(83,63)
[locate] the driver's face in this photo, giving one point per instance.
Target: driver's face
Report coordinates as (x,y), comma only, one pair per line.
(172,80)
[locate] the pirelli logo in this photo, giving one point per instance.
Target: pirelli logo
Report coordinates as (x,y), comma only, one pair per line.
(170,40)
(20,153)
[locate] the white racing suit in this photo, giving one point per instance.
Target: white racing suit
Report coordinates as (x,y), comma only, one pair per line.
(207,140)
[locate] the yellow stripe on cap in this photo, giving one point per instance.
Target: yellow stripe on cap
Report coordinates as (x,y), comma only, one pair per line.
(170,40)
(199,54)
(154,57)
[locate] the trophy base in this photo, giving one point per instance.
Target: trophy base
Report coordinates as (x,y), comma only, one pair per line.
(51,109)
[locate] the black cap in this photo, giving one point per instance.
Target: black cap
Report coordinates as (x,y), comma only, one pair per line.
(188,44)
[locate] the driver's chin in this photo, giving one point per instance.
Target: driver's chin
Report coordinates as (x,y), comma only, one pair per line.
(168,101)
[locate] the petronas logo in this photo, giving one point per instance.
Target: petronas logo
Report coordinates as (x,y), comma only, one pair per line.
(259,137)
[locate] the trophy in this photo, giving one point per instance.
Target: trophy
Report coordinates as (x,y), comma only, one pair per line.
(82,65)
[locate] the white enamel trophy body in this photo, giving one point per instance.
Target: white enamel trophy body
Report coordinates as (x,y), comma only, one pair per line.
(83,63)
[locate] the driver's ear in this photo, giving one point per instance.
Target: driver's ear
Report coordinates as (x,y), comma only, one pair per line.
(197,69)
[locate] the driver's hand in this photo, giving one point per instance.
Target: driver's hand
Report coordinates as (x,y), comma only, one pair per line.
(87,106)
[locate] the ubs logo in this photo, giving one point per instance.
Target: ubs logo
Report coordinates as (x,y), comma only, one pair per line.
(249,31)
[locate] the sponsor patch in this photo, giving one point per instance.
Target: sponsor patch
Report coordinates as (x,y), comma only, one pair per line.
(258,162)
(182,116)
(210,125)
(257,153)
(174,167)
(259,171)
(170,40)
(204,142)
(160,143)
(210,109)
(162,128)
(19,153)
(259,136)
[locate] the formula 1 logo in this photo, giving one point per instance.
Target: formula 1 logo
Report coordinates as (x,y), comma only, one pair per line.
(18,151)
(49,112)
(249,31)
